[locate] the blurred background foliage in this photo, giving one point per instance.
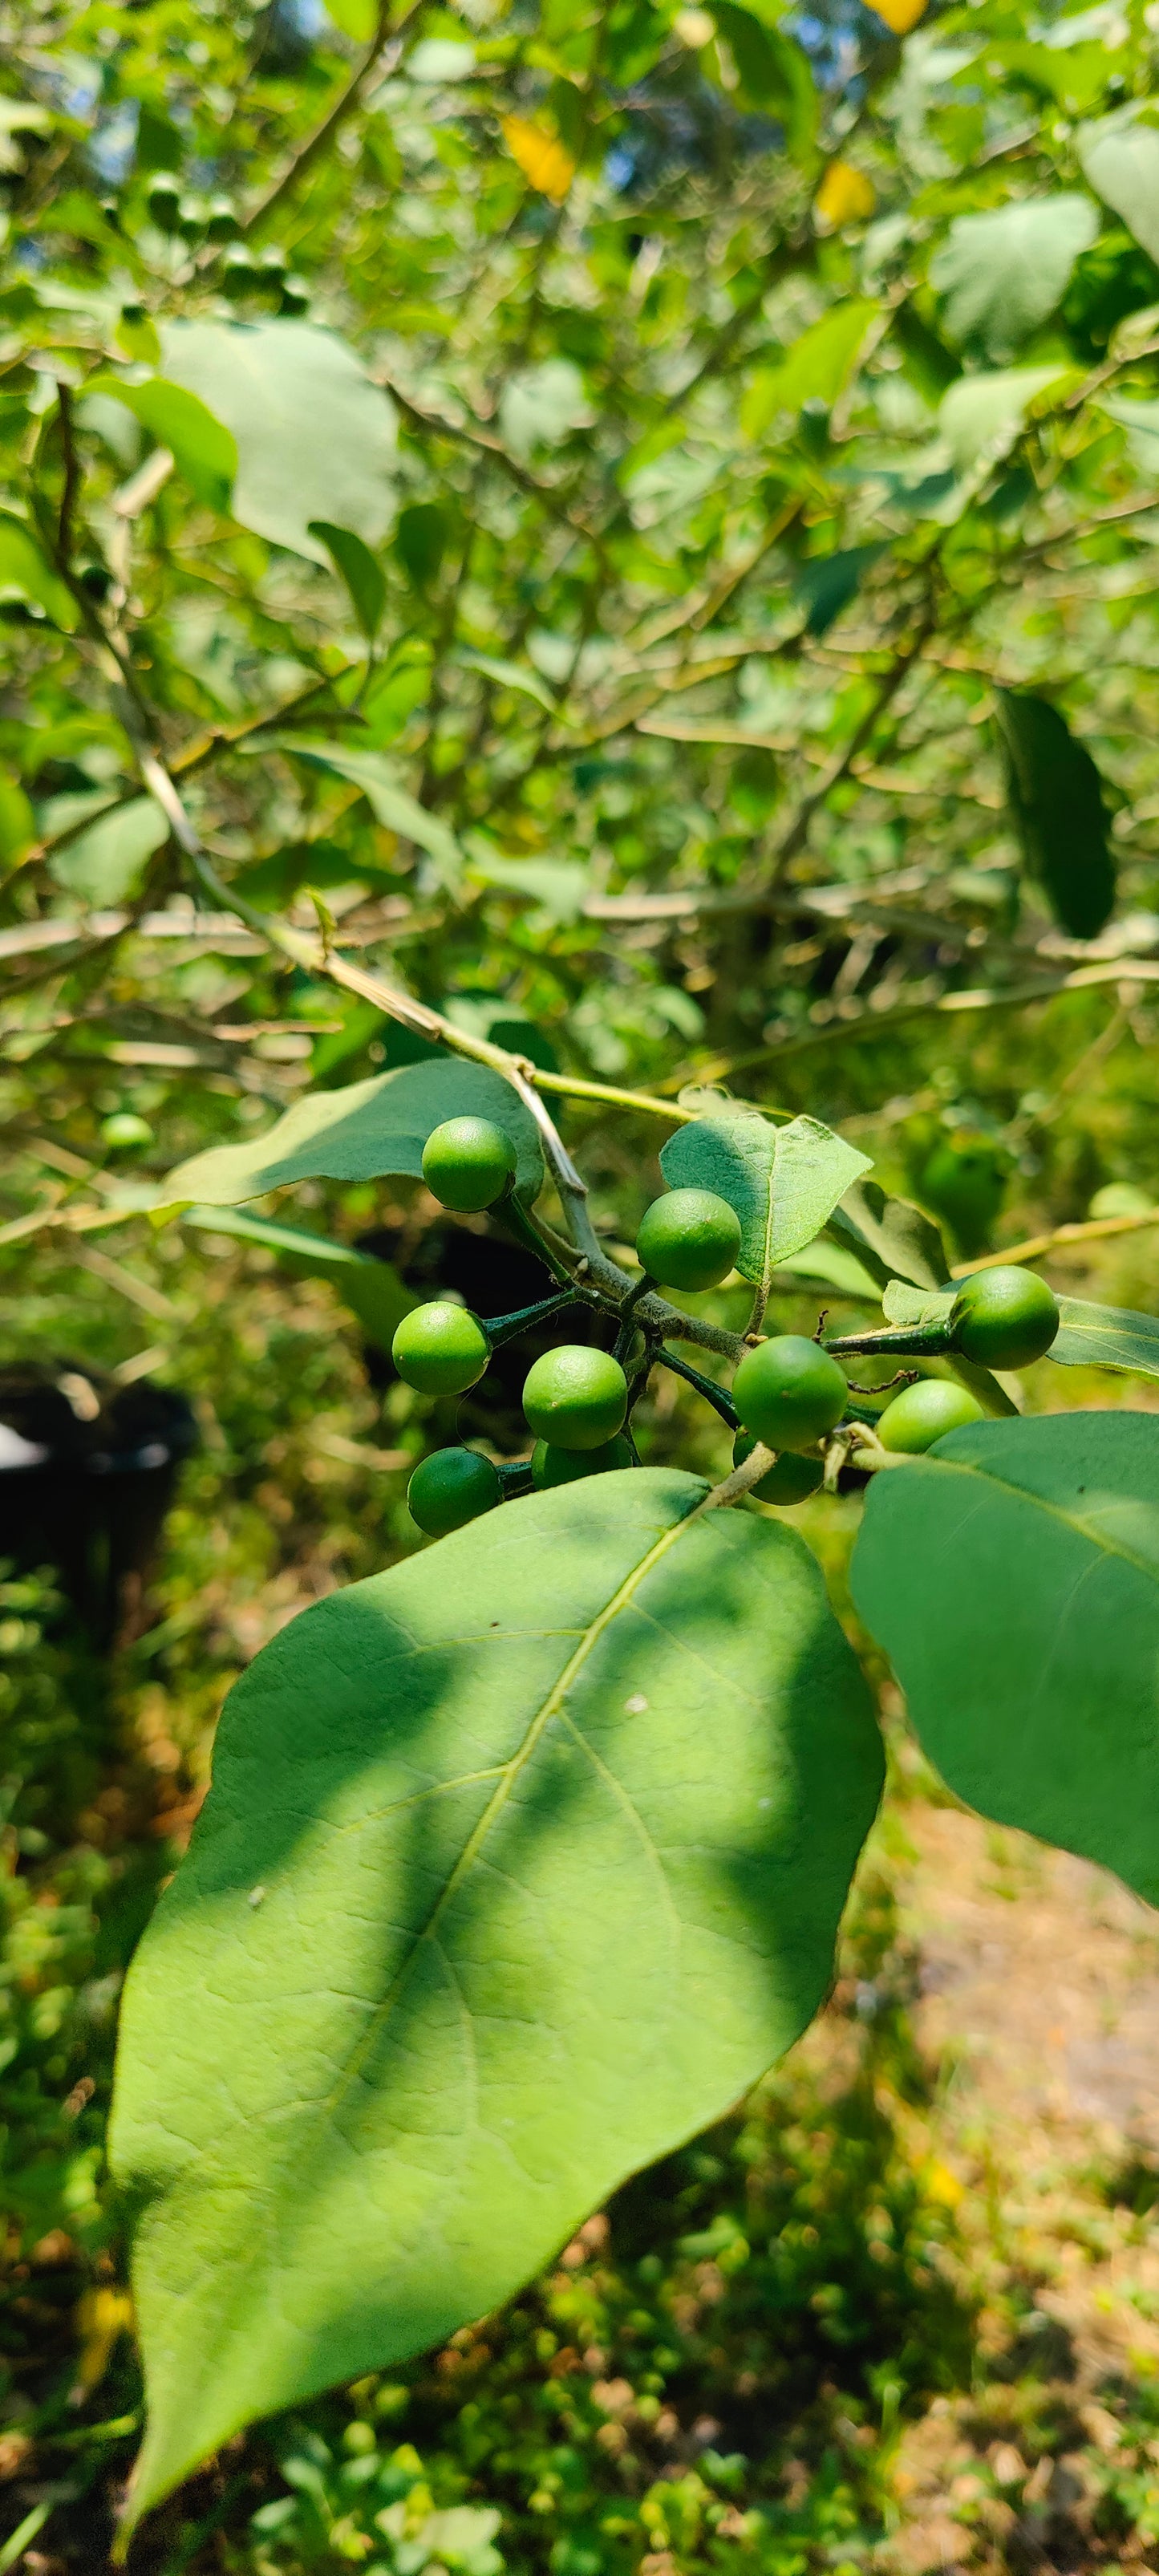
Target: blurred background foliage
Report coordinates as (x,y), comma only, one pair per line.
(637,522)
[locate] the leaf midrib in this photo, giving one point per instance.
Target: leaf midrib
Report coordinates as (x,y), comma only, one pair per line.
(1080,1529)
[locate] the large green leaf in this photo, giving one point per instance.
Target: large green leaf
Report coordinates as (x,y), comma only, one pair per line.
(520,1862)
(360,1133)
(1120,158)
(891,1239)
(315,439)
(784,1182)
(372,1289)
(1013,1578)
(1002,274)
(1110,1337)
(1056,801)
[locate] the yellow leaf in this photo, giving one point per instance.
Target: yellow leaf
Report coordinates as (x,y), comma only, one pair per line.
(942,2185)
(845,196)
(101,2315)
(541,157)
(901,15)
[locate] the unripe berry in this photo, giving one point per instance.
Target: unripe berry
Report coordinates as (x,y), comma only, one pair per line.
(575,1398)
(451,1488)
(924,1413)
(789,1392)
(440,1349)
(553,1466)
(1003,1318)
(689,1239)
(467,1164)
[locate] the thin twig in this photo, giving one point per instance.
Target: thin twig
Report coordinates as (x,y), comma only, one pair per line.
(1036,1246)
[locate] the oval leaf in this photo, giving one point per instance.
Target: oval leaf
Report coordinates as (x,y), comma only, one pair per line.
(783,1182)
(106,862)
(1120,158)
(1012,1577)
(1001,274)
(361,1133)
(891,1239)
(1056,801)
(1110,1337)
(371,1288)
(485,1910)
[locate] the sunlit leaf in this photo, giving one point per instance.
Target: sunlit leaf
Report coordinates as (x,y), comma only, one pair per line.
(783,1182)
(1012,1577)
(360,1133)
(106,861)
(1001,274)
(315,439)
(815,369)
(25,573)
(485,1910)
(203,450)
(1120,158)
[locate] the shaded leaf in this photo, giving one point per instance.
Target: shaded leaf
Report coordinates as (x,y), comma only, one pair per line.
(390,804)
(891,1239)
(1013,1578)
(362,575)
(203,450)
(827,583)
(1003,273)
(106,861)
(483,1912)
(1120,158)
(1110,1337)
(783,1182)
(774,72)
(372,1289)
(25,573)
(511,675)
(362,1132)
(1056,804)
(315,439)
(420,540)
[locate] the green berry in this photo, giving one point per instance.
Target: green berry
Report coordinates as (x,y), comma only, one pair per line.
(923,1413)
(1003,1318)
(790,1480)
(467,1164)
(440,1349)
(575,1398)
(552,1466)
(450,1488)
(689,1240)
(124,1128)
(789,1392)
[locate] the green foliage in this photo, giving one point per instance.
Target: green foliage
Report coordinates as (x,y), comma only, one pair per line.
(1057,801)
(353,2104)
(361,1132)
(783,1182)
(1012,1582)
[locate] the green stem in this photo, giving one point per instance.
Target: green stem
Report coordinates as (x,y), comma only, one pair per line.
(504,1328)
(705,1386)
(912,1341)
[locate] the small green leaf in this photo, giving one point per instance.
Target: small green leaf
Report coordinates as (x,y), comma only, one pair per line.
(485,1910)
(360,571)
(816,368)
(361,1133)
(1120,159)
(1002,274)
(906,1305)
(1013,1579)
(827,583)
(389,803)
(26,574)
(372,1289)
(1056,802)
(511,675)
(891,1239)
(774,72)
(203,450)
(355,18)
(783,1182)
(106,861)
(420,541)
(1110,1337)
(315,439)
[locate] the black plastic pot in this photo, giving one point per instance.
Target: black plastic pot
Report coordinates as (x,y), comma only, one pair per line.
(87,1470)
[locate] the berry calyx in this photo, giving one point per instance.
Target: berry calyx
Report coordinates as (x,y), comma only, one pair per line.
(790,1479)
(553,1466)
(689,1239)
(440,1349)
(467,1164)
(451,1488)
(1003,1318)
(575,1398)
(789,1392)
(924,1413)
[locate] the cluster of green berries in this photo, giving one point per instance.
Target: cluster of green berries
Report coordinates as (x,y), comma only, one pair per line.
(788,1393)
